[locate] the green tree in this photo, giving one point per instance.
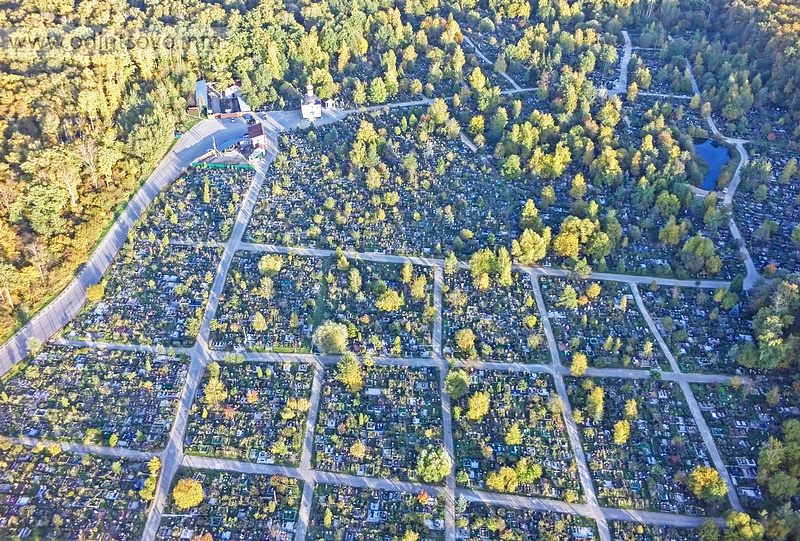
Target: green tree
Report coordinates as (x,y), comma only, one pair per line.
(349,373)
(456,384)
(594,403)
(377,91)
(331,337)
(434,464)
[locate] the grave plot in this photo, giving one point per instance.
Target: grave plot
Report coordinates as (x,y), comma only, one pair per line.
(153,294)
(385,183)
(517,444)
(199,206)
(388,308)
(666,76)
(234,506)
(742,419)
(480,521)
(363,514)
(379,430)
(601,320)
(766,208)
(45,493)
(268,303)
(641,443)
(700,326)
(631,531)
(96,397)
(251,412)
(493,323)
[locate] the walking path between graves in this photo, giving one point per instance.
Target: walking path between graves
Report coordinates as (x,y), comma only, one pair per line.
(621,86)
(491,63)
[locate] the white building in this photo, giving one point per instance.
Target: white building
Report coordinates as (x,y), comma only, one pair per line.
(311,106)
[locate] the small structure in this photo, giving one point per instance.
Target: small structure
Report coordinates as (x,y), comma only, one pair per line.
(257,135)
(311,106)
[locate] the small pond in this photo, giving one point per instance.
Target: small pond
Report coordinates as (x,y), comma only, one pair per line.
(716,156)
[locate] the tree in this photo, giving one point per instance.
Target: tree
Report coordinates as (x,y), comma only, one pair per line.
(377,91)
(465,339)
(594,403)
(706,483)
(349,373)
(593,290)
(438,111)
(456,384)
(504,268)
(418,287)
(531,246)
(633,91)
(579,364)
(390,301)
(514,435)
(187,493)
(434,464)
(214,393)
(95,293)
(259,323)
(505,480)
(478,406)
(622,431)
(358,450)
(270,264)
(566,244)
(568,298)
(631,409)
(328,519)
(331,337)
(743,528)
(410,536)
(709,530)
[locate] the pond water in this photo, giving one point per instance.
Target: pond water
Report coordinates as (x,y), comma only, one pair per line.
(716,156)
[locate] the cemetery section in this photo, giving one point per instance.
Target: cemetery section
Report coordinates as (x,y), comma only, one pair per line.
(600,320)
(363,514)
(492,321)
(270,302)
(94,396)
(378,431)
(510,437)
(154,293)
(253,412)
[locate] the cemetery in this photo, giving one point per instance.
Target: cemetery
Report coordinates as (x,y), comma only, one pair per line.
(234,506)
(600,320)
(742,418)
(481,521)
(201,205)
(253,412)
(153,293)
(701,327)
(641,443)
(379,182)
(387,308)
(490,321)
(377,431)
(94,396)
(632,531)
(510,436)
(47,493)
(363,514)
(766,208)
(269,303)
